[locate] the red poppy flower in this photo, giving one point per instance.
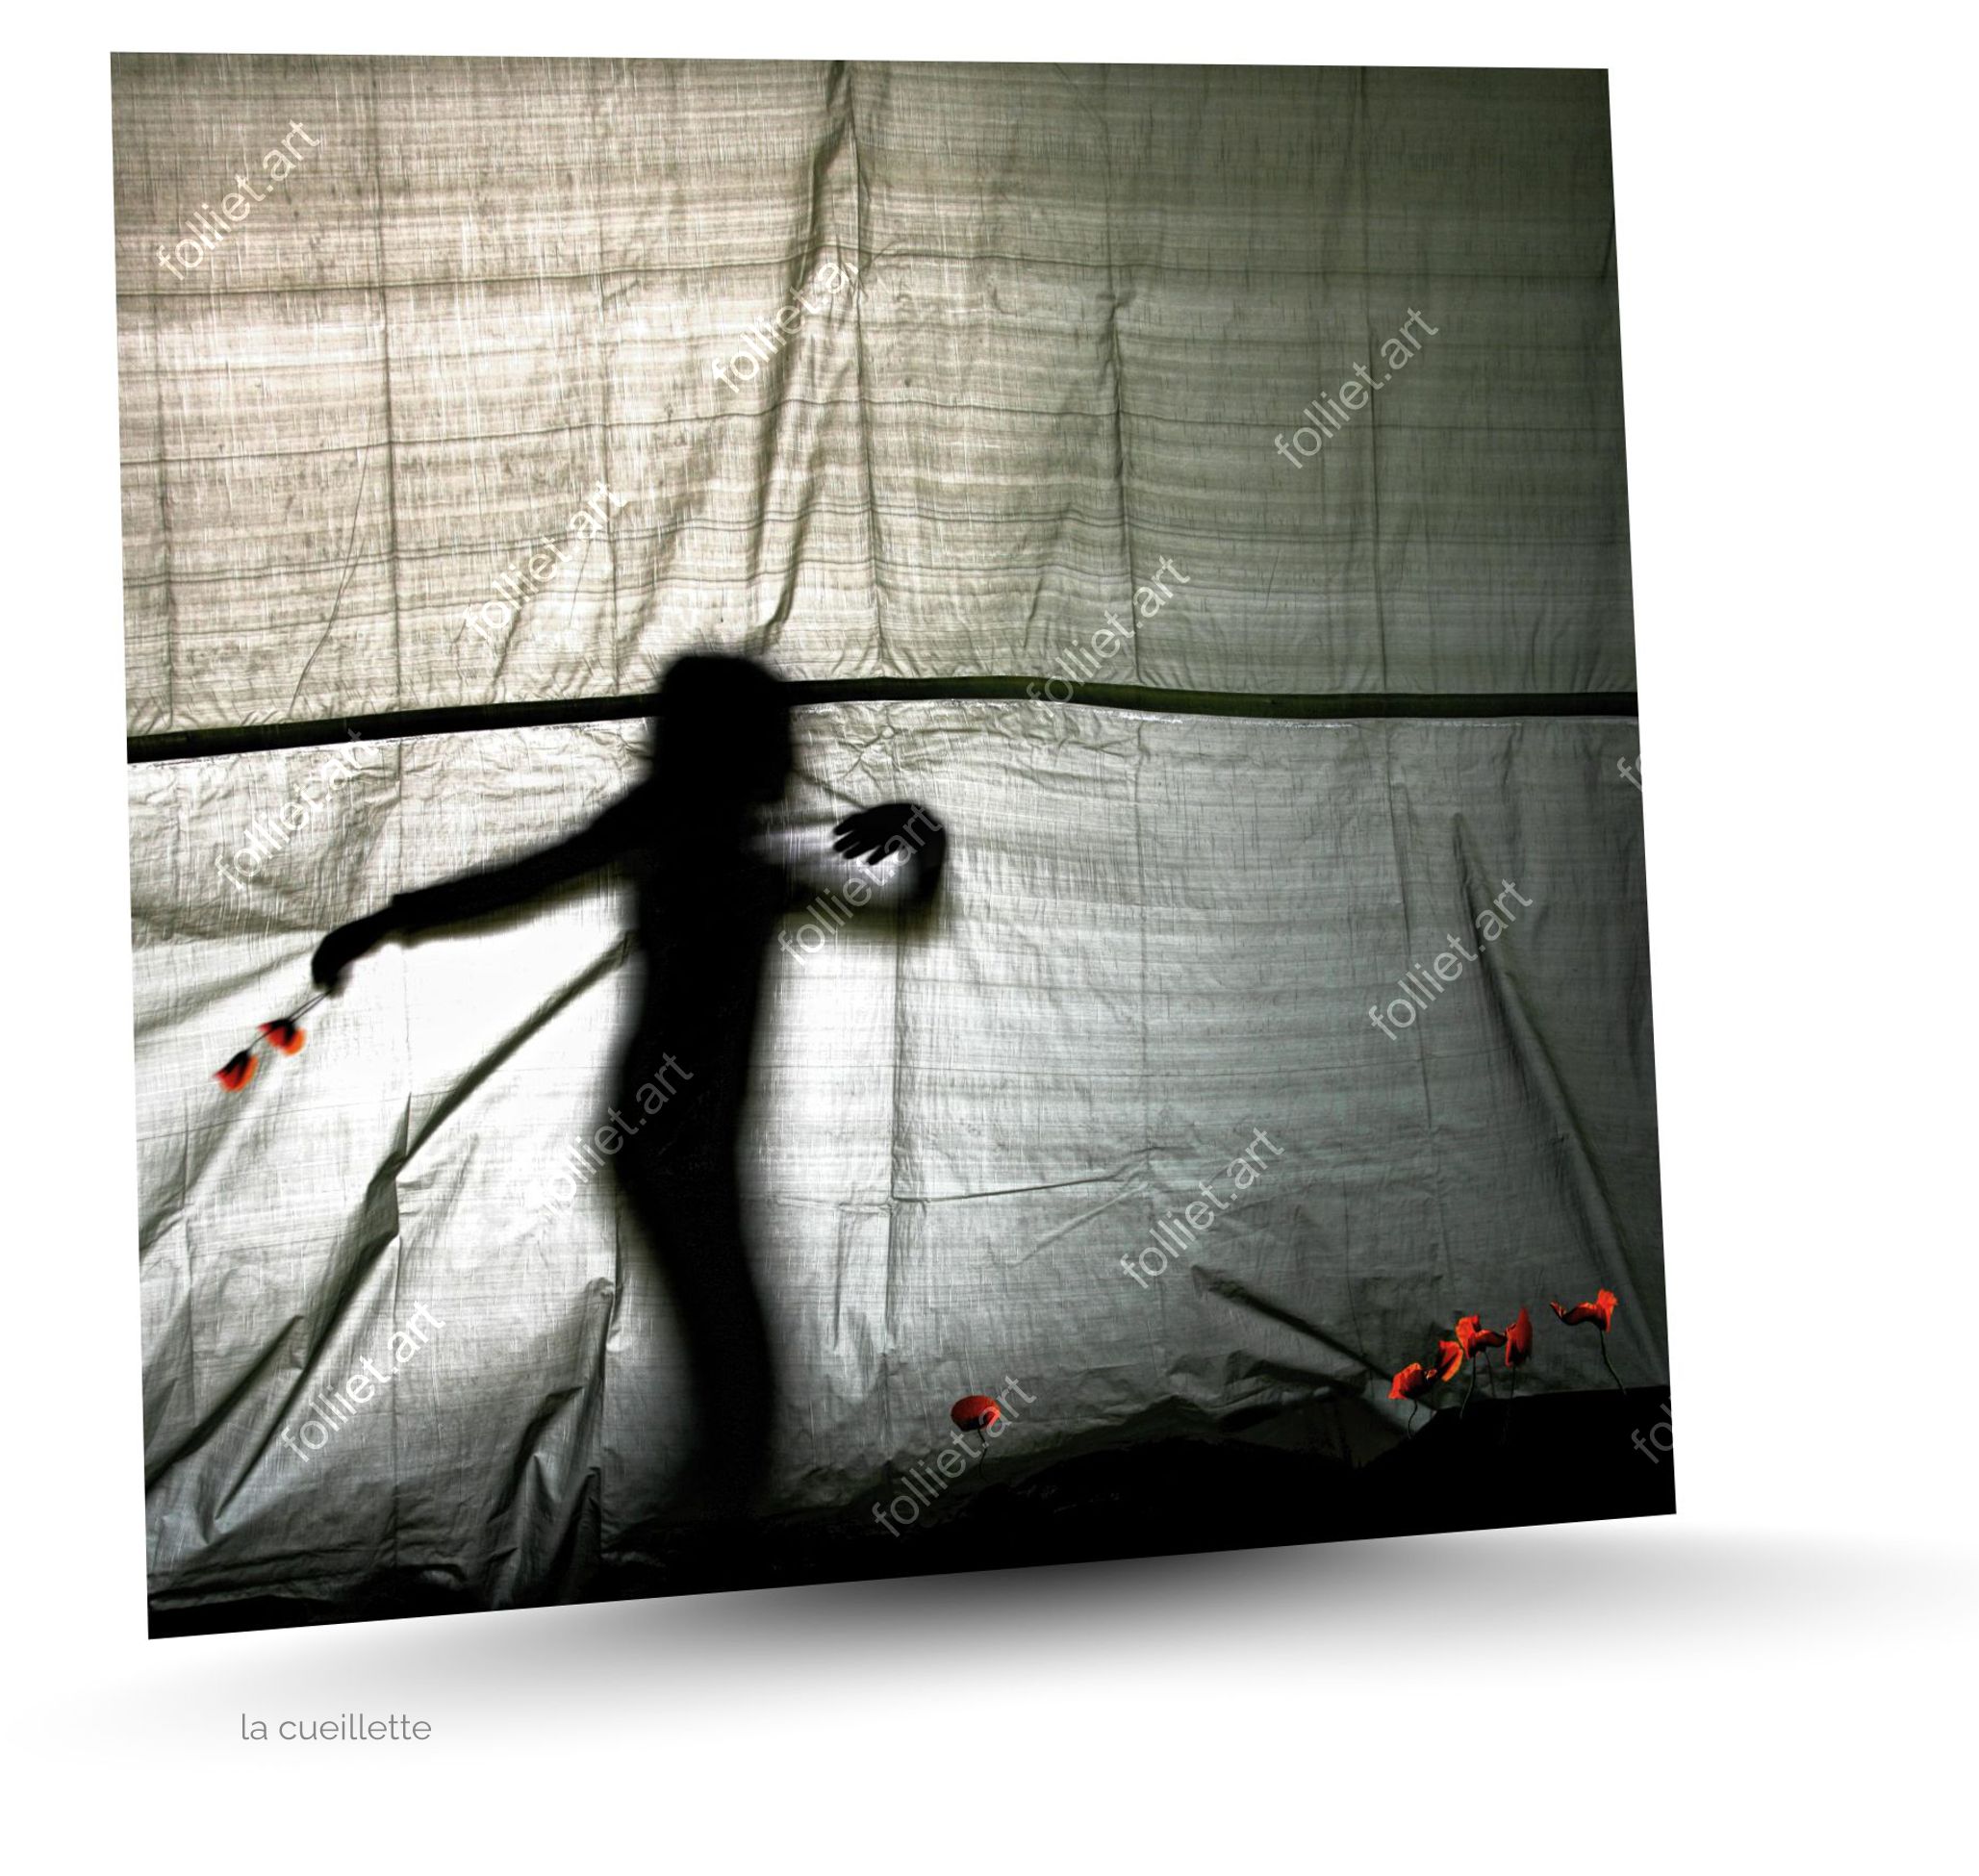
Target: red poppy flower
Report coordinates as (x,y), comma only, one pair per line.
(1601,1311)
(1449,1359)
(1412,1381)
(1518,1341)
(237,1073)
(976,1413)
(1472,1338)
(282,1034)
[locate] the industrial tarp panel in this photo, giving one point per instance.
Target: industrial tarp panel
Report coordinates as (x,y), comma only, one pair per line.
(1088,302)
(1162,935)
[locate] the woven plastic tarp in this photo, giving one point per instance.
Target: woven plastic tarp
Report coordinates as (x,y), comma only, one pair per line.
(1088,301)
(1088,304)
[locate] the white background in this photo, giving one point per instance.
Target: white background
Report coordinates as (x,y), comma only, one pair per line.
(1782,1673)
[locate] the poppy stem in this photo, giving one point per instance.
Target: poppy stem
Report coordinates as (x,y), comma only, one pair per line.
(1607,1364)
(302,1008)
(1470,1389)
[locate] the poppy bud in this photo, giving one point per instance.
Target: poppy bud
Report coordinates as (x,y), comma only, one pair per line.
(976,1413)
(282,1034)
(237,1073)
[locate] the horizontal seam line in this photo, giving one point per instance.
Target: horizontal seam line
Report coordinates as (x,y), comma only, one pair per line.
(464,718)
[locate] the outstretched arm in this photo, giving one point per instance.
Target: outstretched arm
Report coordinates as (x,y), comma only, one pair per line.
(615,833)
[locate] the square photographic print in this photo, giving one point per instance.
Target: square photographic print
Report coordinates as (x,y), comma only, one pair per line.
(884,819)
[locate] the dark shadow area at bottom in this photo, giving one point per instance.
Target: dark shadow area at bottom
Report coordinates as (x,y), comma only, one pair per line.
(1560,1459)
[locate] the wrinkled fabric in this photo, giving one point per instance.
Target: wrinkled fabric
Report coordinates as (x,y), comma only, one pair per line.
(1089,300)
(1160,937)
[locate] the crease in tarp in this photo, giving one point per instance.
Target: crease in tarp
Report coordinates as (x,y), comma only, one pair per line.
(277,1346)
(546,1012)
(842,87)
(1236,1291)
(1122,478)
(1417,1045)
(1526,1047)
(350,557)
(273,1352)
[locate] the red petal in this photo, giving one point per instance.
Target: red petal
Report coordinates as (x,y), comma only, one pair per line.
(1601,1311)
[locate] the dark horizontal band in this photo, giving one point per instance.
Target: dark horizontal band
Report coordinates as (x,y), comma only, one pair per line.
(460,719)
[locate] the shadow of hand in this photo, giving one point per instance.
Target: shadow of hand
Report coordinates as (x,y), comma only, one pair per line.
(345,946)
(871,833)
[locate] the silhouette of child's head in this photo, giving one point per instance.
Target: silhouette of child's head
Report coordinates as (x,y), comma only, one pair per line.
(722,729)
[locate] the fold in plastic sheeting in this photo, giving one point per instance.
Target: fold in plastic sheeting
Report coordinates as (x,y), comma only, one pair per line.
(1157,947)
(1102,317)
